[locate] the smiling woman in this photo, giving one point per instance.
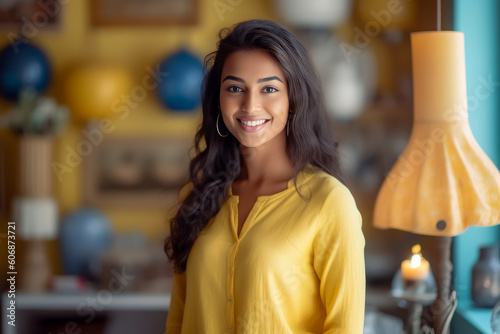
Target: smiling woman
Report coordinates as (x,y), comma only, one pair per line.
(267,239)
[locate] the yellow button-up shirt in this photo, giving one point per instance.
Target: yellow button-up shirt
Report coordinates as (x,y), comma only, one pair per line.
(296,267)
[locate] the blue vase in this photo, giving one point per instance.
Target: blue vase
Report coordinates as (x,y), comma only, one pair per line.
(85,234)
(180,90)
(23,65)
(486,277)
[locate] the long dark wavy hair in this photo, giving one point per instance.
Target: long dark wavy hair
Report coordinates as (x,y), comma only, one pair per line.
(217,162)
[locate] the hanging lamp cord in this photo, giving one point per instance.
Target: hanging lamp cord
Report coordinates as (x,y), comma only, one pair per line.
(438,15)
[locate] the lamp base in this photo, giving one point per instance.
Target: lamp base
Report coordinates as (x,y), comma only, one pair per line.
(442,309)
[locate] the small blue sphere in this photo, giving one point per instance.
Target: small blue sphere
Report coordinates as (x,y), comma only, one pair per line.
(23,65)
(85,234)
(180,89)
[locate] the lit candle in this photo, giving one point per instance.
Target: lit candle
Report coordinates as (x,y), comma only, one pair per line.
(417,268)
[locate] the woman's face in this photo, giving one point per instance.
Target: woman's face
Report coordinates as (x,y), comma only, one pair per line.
(254,97)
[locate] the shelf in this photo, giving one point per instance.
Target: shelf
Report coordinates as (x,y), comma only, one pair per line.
(471,320)
(124,310)
(117,302)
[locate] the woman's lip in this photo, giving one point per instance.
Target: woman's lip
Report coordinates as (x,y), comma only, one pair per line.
(252,128)
(252,119)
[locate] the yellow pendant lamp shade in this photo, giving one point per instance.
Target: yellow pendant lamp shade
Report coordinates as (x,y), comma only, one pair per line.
(443,182)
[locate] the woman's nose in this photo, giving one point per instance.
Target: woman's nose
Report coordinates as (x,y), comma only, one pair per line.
(251,103)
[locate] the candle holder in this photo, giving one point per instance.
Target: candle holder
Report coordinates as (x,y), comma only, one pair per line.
(417,293)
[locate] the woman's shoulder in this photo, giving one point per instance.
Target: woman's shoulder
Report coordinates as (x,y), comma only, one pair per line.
(325,185)
(335,200)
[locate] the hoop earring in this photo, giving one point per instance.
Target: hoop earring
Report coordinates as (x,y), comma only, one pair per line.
(217,126)
(288,126)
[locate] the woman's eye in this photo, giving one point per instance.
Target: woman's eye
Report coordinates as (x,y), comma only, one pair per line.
(234,89)
(269,90)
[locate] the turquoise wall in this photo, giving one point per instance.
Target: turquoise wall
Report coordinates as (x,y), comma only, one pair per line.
(479,22)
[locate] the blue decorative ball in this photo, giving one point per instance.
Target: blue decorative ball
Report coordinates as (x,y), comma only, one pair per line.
(85,234)
(181,77)
(22,65)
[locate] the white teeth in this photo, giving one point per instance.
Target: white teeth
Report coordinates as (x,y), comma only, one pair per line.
(253,123)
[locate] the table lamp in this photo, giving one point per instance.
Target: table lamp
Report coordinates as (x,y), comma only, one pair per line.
(443,182)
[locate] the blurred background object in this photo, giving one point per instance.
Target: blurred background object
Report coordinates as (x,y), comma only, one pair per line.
(348,80)
(23,65)
(104,83)
(84,236)
(140,13)
(485,281)
(179,88)
(401,16)
(314,14)
(25,74)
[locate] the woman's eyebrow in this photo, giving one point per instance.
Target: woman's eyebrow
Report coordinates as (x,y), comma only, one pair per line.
(269,79)
(231,77)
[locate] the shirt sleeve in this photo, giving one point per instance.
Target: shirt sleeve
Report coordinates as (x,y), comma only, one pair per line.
(177,301)
(178,293)
(339,263)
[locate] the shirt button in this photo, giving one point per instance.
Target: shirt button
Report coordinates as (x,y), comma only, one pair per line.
(231,329)
(230,299)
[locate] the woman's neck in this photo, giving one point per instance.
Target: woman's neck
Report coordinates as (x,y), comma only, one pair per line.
(266,163)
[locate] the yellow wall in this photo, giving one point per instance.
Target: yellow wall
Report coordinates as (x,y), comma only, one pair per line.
(135,48)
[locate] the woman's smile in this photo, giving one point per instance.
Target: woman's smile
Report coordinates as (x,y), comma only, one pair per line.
(253,125)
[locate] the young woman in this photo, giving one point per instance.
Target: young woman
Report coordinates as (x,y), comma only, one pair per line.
(266,239)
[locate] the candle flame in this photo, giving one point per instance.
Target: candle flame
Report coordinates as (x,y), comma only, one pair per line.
(415,261)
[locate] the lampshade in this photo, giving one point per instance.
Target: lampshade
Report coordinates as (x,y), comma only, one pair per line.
(443,182)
